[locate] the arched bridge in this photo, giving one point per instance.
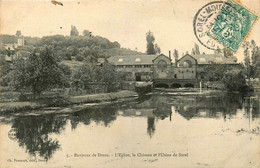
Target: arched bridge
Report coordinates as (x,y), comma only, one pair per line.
(175,83)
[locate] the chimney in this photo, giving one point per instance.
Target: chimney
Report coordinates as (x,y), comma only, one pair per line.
(170,55)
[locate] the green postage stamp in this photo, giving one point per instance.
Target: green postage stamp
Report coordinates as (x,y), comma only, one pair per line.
(232,25)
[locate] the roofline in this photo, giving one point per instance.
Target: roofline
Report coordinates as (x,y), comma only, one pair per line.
(187,55)
(161,55)
(133,55)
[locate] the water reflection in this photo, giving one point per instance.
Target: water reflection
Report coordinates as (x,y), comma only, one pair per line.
(34,133)
(150,126)
(100,115)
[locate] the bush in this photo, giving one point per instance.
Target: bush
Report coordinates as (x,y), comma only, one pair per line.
(234,80)
(38,73)
(79,58)
(84,76)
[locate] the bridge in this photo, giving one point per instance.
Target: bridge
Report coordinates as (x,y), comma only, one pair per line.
(175,83)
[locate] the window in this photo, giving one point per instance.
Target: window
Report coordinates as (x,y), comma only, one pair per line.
(187,63)
(137,60)
(162,65)
(147,66)
(138,78)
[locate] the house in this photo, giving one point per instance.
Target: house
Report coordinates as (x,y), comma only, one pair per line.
(162,67)
(101,61)
(135,67)
(186,68)
(187,71)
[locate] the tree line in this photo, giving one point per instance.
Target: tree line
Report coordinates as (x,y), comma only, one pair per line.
(42,71)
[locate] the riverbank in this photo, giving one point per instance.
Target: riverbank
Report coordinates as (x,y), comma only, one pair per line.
(16,107)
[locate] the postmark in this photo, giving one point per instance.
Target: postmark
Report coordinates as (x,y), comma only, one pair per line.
(203,21)
(232,25)
(12,134)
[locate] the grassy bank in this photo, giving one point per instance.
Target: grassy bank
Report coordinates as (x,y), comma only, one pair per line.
(16,107)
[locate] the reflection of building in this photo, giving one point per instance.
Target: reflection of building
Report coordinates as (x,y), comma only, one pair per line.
(142,113)
(137,113)
(186,72)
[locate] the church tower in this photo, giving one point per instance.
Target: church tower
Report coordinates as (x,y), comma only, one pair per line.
(19,38)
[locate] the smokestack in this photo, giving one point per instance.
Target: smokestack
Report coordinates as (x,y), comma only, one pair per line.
(170,55)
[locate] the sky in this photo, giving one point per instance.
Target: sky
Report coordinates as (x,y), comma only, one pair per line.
(124,21)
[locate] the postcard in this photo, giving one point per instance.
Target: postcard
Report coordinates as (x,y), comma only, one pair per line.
(129,84)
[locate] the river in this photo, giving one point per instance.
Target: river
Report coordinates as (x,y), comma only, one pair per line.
(163,129)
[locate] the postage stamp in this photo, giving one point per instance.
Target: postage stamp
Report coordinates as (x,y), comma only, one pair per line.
(232,25)
(203,21)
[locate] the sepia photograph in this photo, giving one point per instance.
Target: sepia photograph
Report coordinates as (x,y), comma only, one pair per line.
(129,84)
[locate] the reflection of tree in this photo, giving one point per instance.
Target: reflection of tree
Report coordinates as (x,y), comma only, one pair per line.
(150,126)
(251,103)
(210,105)
(101,115)
(162,105)
(32,133)
(190,106)
(255,108)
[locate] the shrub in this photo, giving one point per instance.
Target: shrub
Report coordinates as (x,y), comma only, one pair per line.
(234,80)
(37,73)
(79,58)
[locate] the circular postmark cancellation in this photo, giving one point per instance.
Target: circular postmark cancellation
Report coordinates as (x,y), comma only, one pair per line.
(12,134)
(203,21)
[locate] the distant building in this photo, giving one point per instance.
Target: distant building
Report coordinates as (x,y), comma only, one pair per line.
(101,61)
(13,41)
(186,72)
(135,67)
(19,38)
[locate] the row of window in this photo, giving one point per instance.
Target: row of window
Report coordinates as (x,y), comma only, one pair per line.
(186,71)
(133,66)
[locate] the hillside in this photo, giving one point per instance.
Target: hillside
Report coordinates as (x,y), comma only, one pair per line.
(78,47)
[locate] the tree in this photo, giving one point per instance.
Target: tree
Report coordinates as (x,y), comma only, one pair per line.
(193,51)
(227,52)
(196,48)
(5,68)
(247,61)
(157,49)
(89,72)
(255,55)
(74,31)
(38,73)
(218,51)
(215,72)
(234,80)
(150,46)
(82,75)
(108,75)
(176,55)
